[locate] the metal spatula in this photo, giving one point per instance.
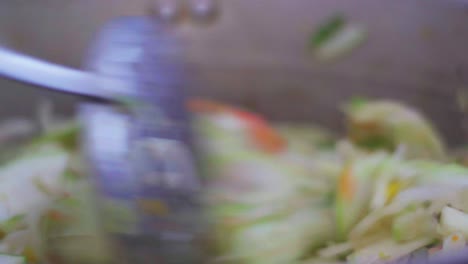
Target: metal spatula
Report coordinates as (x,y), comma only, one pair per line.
(139,152)
(144,156)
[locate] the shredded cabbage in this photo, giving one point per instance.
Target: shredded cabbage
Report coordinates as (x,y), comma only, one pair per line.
(377,195)
(282,193)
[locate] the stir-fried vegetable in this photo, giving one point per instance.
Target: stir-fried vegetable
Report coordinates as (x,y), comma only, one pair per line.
(12,259)
(42,211)
(388,124)
(335,37)
(282,193)
(454,221)
(377,196)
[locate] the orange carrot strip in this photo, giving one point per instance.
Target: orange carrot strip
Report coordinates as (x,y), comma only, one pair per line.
(267,139)
(346,184)
(263,136)
(203,106)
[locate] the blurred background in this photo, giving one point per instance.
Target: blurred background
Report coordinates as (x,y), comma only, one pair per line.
(257,54)
(263,55)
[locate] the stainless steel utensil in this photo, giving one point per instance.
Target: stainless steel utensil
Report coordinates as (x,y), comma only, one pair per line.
(51,76)
(144,157)
(140,155)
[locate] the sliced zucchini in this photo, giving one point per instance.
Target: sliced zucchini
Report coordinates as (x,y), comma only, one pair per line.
(454,221)
(343,42)
(12,259)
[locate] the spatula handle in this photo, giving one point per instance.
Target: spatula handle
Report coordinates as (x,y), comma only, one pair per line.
(48,75)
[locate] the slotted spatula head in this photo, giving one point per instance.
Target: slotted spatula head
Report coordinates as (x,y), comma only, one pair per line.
(140,151)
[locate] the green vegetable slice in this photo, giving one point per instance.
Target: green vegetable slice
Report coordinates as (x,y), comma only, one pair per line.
(12,259)
(327,30)
(13,223)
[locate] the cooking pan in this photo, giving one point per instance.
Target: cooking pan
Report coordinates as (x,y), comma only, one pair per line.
(256,54)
